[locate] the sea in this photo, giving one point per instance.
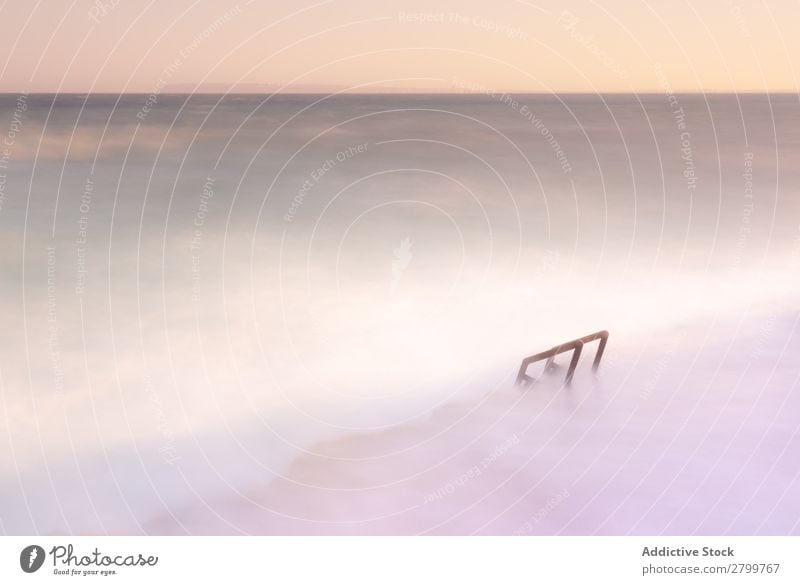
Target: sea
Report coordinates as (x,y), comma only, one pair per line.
(199,291)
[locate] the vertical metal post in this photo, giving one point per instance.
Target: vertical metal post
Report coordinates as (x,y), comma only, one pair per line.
(600,349)
(576,355)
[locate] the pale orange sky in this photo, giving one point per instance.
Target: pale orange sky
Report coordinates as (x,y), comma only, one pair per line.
(505,45)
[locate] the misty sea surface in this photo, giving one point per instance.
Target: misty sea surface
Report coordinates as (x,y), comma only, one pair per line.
(200,293)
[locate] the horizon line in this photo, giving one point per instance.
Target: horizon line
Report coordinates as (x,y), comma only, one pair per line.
(411,92)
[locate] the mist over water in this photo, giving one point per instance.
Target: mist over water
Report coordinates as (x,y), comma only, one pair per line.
(196,293)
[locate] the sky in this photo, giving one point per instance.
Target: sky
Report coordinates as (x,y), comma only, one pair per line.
(438,45)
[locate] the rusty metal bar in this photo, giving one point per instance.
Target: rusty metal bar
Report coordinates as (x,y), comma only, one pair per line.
(603,337)
(576,346)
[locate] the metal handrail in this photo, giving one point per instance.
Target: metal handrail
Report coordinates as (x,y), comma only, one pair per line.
(576,346)
(603,337)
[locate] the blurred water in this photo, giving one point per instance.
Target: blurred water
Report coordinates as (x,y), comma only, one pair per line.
(197,290)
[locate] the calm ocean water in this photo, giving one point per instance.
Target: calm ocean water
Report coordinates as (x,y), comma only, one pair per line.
(196,289)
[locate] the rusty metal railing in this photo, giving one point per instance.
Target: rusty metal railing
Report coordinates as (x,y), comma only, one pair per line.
(575,346)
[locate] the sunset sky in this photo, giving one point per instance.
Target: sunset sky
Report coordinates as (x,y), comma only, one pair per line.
(465,45)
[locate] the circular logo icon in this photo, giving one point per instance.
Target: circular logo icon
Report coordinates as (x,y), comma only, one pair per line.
(31,558)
